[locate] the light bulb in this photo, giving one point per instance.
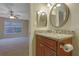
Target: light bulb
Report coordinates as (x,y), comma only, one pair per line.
(49,4)
(12,17)
(38,12)
(43,13)
(54,8)
(58,5)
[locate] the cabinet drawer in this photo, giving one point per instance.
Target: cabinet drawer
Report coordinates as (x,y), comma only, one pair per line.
(48,42)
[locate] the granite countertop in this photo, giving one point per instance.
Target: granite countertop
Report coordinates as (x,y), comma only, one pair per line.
(55,35)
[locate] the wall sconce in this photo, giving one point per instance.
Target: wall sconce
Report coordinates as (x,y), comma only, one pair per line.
(49,4)
(43,12)
(58,5)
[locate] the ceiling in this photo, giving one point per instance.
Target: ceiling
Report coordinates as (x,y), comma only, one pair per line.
(21,10)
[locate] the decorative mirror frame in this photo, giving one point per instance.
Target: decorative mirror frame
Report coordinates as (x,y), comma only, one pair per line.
(66,18)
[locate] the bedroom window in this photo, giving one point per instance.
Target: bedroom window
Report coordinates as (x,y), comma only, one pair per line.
(12,27)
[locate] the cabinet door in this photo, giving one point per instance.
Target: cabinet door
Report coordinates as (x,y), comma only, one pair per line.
(40,50)
(60,51)
(39,47)
(49,52)
(43,50)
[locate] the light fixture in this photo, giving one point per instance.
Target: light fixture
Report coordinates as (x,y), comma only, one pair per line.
(54,8)
(11,15)
(58,5)
(49,4)
(43,13)
(38,12)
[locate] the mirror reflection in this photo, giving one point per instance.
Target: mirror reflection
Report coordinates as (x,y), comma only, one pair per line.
(41,19)
(59,15)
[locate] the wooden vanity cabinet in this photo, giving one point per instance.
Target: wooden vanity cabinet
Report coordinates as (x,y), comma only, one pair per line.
(50,47)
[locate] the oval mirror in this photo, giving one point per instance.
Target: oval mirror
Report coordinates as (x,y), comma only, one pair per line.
(41,19)
(59,15)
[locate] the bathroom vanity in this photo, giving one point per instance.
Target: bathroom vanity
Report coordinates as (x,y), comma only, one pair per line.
(58,43)
(51,45)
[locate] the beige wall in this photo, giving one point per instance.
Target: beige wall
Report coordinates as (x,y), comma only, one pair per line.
(74,8)
(72,24)
(34,8)
(23,33)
